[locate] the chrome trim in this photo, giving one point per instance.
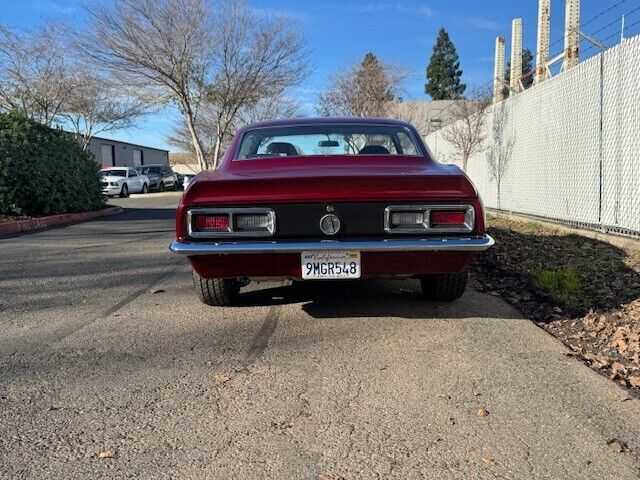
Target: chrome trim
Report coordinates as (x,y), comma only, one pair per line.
(230,231)
(330,216)
(458,244)
(467,227)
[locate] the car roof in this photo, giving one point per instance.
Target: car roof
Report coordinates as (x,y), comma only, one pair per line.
(327,121)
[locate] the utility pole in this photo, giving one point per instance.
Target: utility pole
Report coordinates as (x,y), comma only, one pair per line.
(516,54)
(571,37)
(544,27)
(498,70)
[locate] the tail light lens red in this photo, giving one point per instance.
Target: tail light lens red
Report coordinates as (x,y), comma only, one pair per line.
(447,218)
(218,223)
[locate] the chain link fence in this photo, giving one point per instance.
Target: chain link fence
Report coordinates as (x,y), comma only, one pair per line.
(567,149)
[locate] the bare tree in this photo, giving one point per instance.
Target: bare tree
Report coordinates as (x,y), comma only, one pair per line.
(277,106)
(467,133)
(97,106)
(502,142)
(258,58)
(368,89)
(182,52)
(37,72)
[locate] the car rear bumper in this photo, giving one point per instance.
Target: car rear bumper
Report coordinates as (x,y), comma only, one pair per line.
(466,244)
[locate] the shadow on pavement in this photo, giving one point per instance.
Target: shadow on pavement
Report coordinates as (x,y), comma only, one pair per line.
(373,298)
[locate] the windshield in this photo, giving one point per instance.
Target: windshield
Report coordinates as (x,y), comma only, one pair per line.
(116,172)
(327,140)
(155,170)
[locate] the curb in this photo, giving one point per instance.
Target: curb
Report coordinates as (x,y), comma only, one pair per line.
(22,226)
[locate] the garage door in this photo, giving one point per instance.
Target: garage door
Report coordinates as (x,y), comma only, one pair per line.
(137,157)
(106,156)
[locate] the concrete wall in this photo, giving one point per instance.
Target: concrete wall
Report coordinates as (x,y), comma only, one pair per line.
(124,153)
(569,147)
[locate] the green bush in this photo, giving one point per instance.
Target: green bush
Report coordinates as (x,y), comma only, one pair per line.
(44,171)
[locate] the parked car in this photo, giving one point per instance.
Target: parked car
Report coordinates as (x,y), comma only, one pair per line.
(330,199)
(161,177)
(179,180)
(187,179)
(123,181)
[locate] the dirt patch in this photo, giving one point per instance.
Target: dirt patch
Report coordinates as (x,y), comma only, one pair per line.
(584,291)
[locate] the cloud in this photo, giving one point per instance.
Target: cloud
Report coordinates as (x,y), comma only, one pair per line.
(386,7)
(481,23)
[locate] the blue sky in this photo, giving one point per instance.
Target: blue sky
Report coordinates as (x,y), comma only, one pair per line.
(340,31)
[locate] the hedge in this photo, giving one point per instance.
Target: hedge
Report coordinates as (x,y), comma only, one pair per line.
(44,171)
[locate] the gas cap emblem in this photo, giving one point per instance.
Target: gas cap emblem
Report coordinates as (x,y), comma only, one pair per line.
(330,224)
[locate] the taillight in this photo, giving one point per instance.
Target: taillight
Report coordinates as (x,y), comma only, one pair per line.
(230,222)
(218,223)
(447,218)
(414,219)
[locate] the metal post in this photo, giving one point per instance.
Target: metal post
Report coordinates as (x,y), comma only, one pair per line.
(498,70)
(544,26)
(516,54)
(622,30)
(571,38)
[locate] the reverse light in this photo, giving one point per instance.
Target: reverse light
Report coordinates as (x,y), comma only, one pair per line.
(407,218)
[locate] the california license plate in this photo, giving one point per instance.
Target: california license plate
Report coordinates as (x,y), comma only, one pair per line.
(330,265)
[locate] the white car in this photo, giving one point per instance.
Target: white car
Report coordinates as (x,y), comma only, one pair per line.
(123,181)
(187,180)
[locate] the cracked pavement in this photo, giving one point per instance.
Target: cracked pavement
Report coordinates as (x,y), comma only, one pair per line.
(359,380)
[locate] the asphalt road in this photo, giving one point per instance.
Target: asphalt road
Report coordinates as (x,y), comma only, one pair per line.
(357,380)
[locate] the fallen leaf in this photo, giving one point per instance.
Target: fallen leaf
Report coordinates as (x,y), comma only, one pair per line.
(617,446)
(157,290)
(106,454)
(220,378)
(617,367)
(634,381)
(482,412)
(488,460)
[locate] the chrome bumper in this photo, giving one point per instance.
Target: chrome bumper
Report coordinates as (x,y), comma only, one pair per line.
(469,244)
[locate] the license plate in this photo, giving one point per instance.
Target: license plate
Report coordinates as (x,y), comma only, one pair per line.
(330,265)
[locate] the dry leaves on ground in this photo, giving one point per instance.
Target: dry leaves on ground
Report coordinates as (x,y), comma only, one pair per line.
(482,412)
(488,460)
(157,290)
(325,476)
(106,454)
(617,446)
(221,378)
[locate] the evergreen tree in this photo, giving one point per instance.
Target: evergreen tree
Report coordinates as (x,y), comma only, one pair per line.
(527,66)
(443,72)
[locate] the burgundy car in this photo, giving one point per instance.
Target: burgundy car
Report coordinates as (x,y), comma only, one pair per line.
(330,199)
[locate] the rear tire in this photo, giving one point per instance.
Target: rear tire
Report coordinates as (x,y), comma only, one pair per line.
(444,287)
(124,193)
(217,292)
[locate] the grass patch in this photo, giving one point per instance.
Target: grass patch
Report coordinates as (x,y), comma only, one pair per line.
(564,285)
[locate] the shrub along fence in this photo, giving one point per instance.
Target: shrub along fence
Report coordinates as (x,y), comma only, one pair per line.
(44,171)
(568,148)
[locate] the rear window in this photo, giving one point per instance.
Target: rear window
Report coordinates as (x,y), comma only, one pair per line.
(327,140)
